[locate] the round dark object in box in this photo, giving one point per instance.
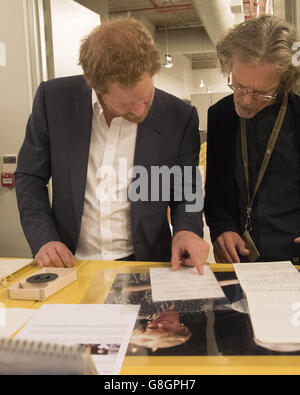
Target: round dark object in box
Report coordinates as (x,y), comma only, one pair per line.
(42,278)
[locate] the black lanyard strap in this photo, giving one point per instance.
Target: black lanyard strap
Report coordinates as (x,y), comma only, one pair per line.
(266,159)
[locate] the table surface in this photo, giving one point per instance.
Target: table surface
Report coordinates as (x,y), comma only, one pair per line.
(95,279)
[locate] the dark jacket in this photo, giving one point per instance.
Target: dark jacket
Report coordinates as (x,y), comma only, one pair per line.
(221,205)
(57,145)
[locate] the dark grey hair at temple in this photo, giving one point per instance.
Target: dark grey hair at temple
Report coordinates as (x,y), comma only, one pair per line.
(263,40)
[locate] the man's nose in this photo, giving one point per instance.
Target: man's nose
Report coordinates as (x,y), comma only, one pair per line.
(138,109)
(247,98)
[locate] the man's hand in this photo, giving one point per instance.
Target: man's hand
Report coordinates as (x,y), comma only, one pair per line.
(297,240)
(189,249)
(55,254)
(228,246)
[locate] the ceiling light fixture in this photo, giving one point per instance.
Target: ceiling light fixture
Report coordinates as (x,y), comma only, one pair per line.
(168,61)
(168,58)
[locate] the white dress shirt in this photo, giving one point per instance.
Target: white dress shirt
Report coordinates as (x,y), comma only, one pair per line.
(105,232)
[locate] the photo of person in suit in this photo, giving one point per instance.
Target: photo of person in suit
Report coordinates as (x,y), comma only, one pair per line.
(84,133)
(217,326)
(164,330)
(177,327)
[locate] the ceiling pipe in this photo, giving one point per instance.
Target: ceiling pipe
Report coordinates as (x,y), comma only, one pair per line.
(153,3)
(186,41)
(179,17)
(175,7)
(216,17)
(161,9)
(190,26)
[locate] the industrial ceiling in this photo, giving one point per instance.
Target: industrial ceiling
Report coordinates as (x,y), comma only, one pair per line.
(210,18)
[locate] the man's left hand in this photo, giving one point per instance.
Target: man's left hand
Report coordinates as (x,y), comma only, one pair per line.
(189,249)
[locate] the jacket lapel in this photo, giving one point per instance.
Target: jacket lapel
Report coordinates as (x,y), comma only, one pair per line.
(229,127)
(295,104)
(149,135)
(78,148)
(147,147)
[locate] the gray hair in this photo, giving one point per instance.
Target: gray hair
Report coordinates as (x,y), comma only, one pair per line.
(267,39)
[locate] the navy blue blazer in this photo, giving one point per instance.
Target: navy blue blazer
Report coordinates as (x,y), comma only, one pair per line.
(57,145)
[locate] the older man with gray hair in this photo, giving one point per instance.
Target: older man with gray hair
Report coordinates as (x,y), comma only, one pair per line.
(252,202)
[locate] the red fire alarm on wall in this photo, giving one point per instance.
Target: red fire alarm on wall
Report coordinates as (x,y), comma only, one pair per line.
(7,180)
(8,168)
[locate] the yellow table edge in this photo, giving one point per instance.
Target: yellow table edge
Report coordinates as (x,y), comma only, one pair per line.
(189,365)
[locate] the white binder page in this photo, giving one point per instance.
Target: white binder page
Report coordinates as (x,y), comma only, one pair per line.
(184,284)
(267,276)
(273,294)
(275,317)
(12,319)
(105,329)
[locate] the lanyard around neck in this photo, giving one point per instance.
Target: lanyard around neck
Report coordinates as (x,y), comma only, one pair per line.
(266,159)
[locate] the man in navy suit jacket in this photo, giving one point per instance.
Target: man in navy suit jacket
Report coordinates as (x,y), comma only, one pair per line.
(82,125)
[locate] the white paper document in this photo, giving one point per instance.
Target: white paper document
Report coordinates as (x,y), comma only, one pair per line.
(12,319)
(184,284)
(10,266)
(105,329)
(272,290)
(267,276)
(275,317)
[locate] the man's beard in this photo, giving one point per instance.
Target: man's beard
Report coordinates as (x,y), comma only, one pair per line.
(132,118)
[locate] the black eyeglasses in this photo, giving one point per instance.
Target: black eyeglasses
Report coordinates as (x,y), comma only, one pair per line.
(245,91)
